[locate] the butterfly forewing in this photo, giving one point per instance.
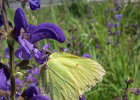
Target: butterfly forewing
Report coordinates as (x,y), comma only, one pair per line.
(70,76)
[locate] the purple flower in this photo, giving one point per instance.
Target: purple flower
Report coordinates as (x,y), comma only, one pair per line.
(33,34)
(111,10)
(32,91)
(34,4)
(116,33)
(17,81)
(111,25)
(82,98)
(4,76)
(66,49)
(40,97)
(135,91)
(86,55)
(118,17)
(119,6)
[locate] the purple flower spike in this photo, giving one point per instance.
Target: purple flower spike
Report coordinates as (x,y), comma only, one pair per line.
(4,76)
(40,97)
(20,19)
(47,30)
(34,4)
(86,55)
(32,91)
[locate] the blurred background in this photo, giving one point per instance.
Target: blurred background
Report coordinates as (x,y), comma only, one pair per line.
(107,31)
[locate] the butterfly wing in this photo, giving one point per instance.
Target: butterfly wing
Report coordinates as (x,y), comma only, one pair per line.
(69,76)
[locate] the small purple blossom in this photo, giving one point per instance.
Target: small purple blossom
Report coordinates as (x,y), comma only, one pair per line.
(86,55)
(66,49)
(118,17)
(111,10)
(110,25)
(17,81)
(32,91)
(34,4)
(116,33)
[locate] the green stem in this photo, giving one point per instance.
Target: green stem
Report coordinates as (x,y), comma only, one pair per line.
(10,42)
(11,53)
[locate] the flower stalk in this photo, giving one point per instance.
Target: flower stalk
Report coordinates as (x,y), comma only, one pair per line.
(10,42)
(12,78)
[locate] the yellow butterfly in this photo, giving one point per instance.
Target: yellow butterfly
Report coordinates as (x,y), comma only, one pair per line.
(68,76)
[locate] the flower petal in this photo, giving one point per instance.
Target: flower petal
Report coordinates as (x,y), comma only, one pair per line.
(34,4)
(4,76)
(39,55)
(23,53)
(26,44)
(47,30)
(32,91)
(20,19)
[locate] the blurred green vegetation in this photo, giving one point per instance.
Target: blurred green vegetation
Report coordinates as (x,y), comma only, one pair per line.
(84,22)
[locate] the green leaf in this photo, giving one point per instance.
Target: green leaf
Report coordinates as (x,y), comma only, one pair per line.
(69,76)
